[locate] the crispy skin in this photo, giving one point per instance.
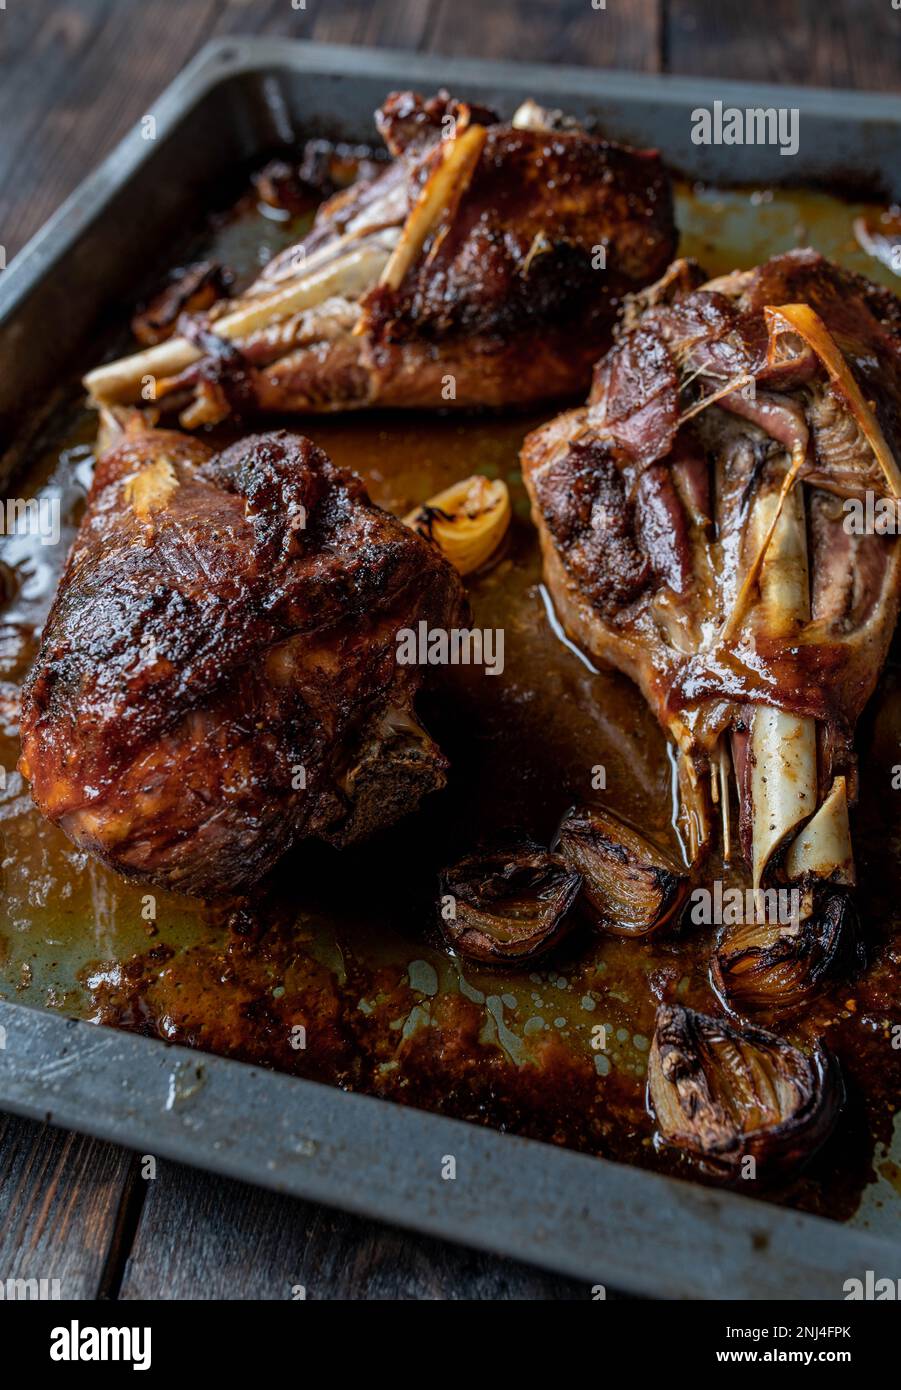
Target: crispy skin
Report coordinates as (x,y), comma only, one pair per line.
(643,516)
(507,295)
(225,620)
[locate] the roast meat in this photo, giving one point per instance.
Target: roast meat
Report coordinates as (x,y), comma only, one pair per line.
(218,677)
(485,265)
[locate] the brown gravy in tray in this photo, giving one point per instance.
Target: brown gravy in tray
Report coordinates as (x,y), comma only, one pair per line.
(342,975)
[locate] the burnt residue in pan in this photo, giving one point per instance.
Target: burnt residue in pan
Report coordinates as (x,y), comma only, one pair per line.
(340,972)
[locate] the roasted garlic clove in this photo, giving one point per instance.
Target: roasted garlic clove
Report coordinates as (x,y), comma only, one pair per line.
(467,521)
(725,1094)
(633,885)
(507,904)
(780,967)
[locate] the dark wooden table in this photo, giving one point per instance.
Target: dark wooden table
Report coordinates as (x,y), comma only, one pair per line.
(74,76)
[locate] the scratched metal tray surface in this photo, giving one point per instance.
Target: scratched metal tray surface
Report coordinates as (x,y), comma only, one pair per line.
(602,1221)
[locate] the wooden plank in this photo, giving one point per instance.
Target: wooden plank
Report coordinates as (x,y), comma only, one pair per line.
(202,1237)
(63,1198)
(100,66)
(102,63)
(832,43)
(375,23)
(569,31)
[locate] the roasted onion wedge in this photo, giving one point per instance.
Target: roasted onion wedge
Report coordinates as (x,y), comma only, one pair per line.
(467,521)
(634,886)
(507,903)
(779,968)
(725,1094)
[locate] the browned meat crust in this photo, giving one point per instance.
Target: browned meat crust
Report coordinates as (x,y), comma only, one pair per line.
(224,633)
(645,498)
(620,490)
(507,291)
(519,249)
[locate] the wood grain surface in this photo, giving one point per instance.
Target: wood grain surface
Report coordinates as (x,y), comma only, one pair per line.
(62,1202)
(75,75)
(209,1238)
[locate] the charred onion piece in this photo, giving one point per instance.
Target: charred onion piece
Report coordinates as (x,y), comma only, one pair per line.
(881,239)
(633,885)
(509,903)
(779,968)
(282,185)
(190,290)
(724,1094)
(467,522)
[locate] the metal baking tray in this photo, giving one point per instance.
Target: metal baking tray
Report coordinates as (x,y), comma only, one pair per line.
(601,1221)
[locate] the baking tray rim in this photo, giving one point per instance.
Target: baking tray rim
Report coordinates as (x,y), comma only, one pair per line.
(734,1228)
(591,1218)
(225,58)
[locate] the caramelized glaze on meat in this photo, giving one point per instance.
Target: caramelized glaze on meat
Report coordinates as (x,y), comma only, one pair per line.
(218,673)
(497,283)
(646,501)
(647,534)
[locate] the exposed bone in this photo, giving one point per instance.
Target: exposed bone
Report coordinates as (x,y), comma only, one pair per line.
(349,276)
(693,795)
(800,319)
(694,792)
(783,747)
(823,847)
(328,322)
(121,381)
(753,571)
(724,762)
(383,229)
(441,193)
(783,780)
